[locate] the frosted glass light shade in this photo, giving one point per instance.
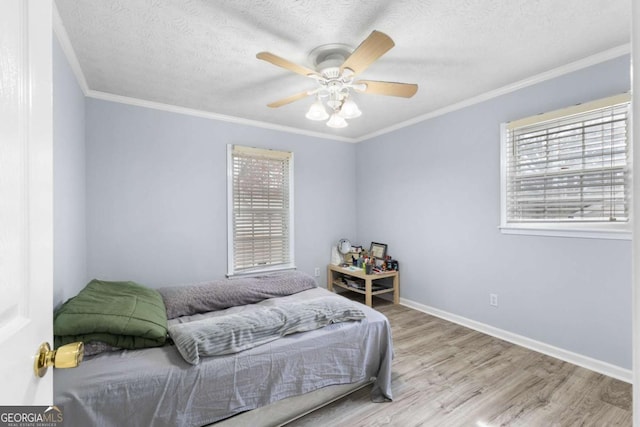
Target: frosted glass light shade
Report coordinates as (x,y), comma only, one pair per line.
(317,111)
(336,121)
(350,110)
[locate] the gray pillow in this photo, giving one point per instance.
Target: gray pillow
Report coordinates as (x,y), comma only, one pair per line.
(186,300)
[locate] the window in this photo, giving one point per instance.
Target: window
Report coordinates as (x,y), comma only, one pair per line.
(567,172)
(260,210)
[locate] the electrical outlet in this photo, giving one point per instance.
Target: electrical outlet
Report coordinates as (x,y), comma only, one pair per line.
(317,272)
(493,300)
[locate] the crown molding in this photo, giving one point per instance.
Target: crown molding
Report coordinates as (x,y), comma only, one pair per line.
(61,33)
(209,115)
(589,61)
(67,48)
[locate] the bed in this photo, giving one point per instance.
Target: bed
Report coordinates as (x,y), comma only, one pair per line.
(158,387)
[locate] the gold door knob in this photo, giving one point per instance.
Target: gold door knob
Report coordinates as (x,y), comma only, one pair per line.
(67,356)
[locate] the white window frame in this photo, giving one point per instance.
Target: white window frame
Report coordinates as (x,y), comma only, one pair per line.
(231,272)
(599,230)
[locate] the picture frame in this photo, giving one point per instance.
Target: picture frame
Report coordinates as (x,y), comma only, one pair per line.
(378,250)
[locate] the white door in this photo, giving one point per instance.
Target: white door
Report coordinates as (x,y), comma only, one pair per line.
(26,198)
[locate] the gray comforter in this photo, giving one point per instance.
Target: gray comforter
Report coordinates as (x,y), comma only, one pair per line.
(157,387)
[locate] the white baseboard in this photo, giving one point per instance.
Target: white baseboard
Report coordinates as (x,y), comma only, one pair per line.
(559,353)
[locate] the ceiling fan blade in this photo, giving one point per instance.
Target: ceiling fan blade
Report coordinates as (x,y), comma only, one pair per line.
(372,48)
(286,64)
(405,90)
(289,100)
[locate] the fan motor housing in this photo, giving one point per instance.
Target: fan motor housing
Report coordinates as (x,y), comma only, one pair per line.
(328,58)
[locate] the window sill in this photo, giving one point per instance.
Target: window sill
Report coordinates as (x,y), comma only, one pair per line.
(261,271)
(580,233)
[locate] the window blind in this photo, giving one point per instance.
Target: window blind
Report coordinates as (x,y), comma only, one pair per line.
(261,201)
(570,165)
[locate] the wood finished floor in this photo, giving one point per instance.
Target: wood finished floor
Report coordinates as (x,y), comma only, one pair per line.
(448,375)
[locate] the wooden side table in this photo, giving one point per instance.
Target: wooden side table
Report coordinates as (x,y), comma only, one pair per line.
(334,272)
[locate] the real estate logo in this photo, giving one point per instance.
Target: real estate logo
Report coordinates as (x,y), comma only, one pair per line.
(31,416)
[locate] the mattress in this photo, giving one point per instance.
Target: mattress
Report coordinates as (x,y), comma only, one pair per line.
(156,387)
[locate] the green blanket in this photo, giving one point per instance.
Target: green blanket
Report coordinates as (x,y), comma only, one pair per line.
(121,314)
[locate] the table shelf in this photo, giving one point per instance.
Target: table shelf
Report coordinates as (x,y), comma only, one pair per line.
(334,272)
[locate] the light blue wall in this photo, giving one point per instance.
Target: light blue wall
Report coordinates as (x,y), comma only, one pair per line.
(156,209)
(432,193)
(156,194)
(69,240)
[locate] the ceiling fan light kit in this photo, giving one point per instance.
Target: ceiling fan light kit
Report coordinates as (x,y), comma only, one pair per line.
(317,111)
(349,109)
(336,121)
(336,66)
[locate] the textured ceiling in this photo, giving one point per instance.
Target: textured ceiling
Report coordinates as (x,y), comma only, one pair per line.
(201,54)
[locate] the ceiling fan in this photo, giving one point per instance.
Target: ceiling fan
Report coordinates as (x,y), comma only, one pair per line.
(336,66)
